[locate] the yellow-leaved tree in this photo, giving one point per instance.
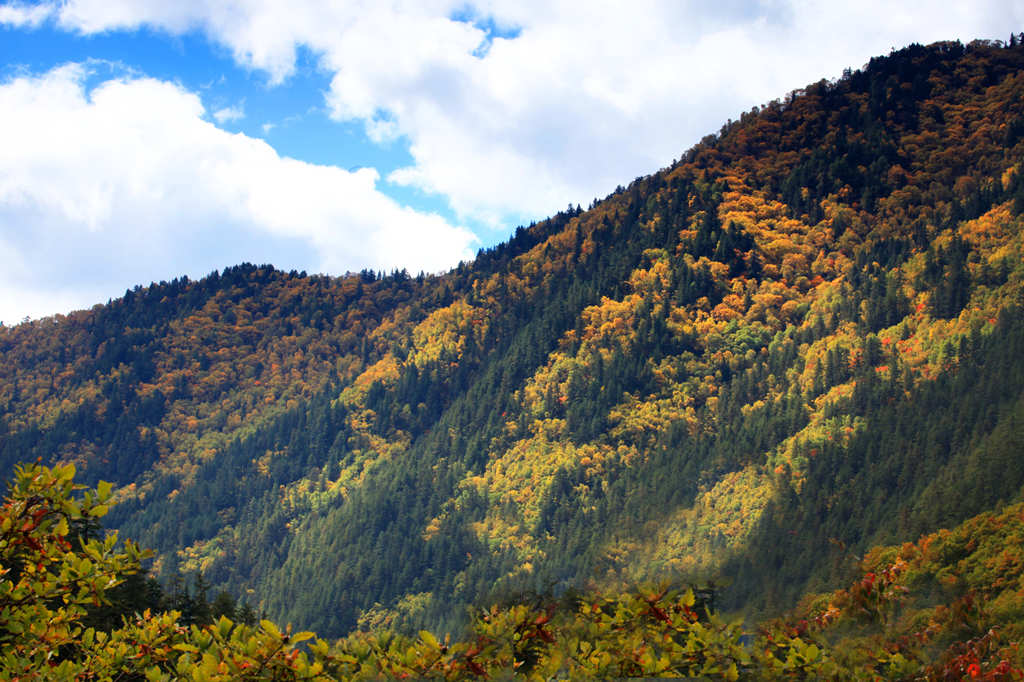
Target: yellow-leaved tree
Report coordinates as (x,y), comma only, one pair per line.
(52,573)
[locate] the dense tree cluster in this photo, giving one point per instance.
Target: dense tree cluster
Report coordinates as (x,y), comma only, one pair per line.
(55,581)
(800,340)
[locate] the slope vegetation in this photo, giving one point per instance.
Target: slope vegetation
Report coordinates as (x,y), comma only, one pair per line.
(802,339)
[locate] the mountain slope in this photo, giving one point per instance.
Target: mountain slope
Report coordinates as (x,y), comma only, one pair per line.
(800,340)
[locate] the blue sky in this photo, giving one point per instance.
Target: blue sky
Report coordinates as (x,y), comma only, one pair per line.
(141,140)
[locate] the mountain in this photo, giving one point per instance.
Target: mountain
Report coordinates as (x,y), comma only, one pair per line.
(801,340)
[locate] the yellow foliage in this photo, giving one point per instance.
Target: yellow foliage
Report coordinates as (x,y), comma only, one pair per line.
(700,538)
(444,332)
(385,370)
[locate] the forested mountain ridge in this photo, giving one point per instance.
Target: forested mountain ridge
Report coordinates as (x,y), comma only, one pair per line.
(802,339)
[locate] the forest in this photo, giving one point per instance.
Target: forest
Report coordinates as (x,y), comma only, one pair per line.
(74,605)
(747,392)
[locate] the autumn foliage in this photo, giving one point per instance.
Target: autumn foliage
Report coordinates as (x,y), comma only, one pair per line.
(800,340)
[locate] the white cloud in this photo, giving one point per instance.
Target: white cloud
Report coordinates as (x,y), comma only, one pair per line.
(126,183)
(582,98)
(22,15)
(585,97)
(229,114)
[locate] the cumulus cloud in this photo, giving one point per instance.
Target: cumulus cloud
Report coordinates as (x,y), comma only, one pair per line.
(575,99)
(126,182)
(21,15)
(509,109)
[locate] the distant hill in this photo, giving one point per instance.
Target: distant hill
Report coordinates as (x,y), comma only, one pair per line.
(803,339)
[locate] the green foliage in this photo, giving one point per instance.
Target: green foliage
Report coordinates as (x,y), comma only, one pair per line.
(656,634)
(49,578)
(945,607)
(862,632)
(45,584)
(799,341)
